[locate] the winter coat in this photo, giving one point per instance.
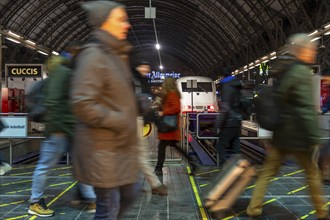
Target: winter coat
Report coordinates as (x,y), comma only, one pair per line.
(59,117)
(104,151)
(299,129)
(171,105)
(230,115)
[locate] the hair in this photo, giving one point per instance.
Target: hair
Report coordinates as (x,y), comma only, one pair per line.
(300,41)
(169,84)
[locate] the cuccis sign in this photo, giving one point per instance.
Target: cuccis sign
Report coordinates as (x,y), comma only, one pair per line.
(24,70)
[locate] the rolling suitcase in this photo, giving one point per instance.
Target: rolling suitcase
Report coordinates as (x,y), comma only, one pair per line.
(226,187)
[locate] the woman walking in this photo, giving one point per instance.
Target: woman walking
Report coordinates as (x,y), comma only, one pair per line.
(171,106)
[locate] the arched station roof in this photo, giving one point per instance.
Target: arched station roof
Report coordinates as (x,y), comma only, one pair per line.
(205,35)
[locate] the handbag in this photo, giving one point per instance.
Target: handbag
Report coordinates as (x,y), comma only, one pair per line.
(168,123)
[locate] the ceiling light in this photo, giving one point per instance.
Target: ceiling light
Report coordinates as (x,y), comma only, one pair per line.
(55,53)
(315,39)
(30,42)
(13,34)
(161,67)
(157,46)
(44,53)
(13,40)
(327,26)
(314,32)
(327,33)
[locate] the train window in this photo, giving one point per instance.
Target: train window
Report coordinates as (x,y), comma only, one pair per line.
(201,87)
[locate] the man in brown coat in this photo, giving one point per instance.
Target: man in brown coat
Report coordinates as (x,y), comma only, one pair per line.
(104,152)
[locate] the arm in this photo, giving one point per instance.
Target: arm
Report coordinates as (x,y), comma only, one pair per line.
(299,95)
(224,108)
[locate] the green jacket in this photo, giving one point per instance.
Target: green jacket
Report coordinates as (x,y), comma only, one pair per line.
(300,129)
(59,118)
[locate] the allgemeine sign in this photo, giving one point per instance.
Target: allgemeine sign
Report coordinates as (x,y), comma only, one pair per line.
(24,70)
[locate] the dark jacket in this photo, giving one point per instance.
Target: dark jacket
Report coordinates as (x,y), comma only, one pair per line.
(59,117)
(230,115)
(299,129)
(103,99)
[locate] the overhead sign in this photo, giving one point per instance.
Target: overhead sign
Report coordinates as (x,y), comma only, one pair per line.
(156,77)
(24,70)
(15,127)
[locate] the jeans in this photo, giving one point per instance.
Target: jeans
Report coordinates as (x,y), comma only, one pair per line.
(229,137)
(51,151)
(112,202)
(87,192)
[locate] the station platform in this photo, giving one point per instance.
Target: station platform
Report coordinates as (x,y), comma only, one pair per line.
(286,199)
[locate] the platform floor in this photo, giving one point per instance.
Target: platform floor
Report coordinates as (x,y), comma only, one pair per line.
(286,199)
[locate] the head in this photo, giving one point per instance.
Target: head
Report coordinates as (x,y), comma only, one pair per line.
(301,47)
(143,68)
(72,49)
(108,16)
(226,72)
(169,84)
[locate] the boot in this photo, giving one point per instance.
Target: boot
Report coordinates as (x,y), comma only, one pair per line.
(158,171)
(193,166)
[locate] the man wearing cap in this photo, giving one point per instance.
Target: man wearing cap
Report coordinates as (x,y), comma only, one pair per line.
(299,133)
(103,99)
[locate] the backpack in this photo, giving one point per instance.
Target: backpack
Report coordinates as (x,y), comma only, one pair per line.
(266,106)
(245,105)
(34,100)
(267,110)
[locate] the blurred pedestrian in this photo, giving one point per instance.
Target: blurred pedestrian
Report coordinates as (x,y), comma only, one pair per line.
(228,122)
(170,105)
(104,150)
(4,167)
(140,71)
(299,133)
(59,130)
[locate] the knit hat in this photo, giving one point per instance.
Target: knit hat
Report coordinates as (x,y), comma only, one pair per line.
(298,41)
(98,11)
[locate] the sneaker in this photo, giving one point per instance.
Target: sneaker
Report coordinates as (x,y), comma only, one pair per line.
(40,209)
(5,168)
(91,207)
(160,190)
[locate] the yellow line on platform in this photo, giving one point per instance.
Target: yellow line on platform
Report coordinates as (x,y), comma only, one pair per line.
(12,203)
(311,212)
(198,199)
(17,217)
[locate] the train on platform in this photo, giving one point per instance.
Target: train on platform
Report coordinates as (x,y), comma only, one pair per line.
(198,94)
